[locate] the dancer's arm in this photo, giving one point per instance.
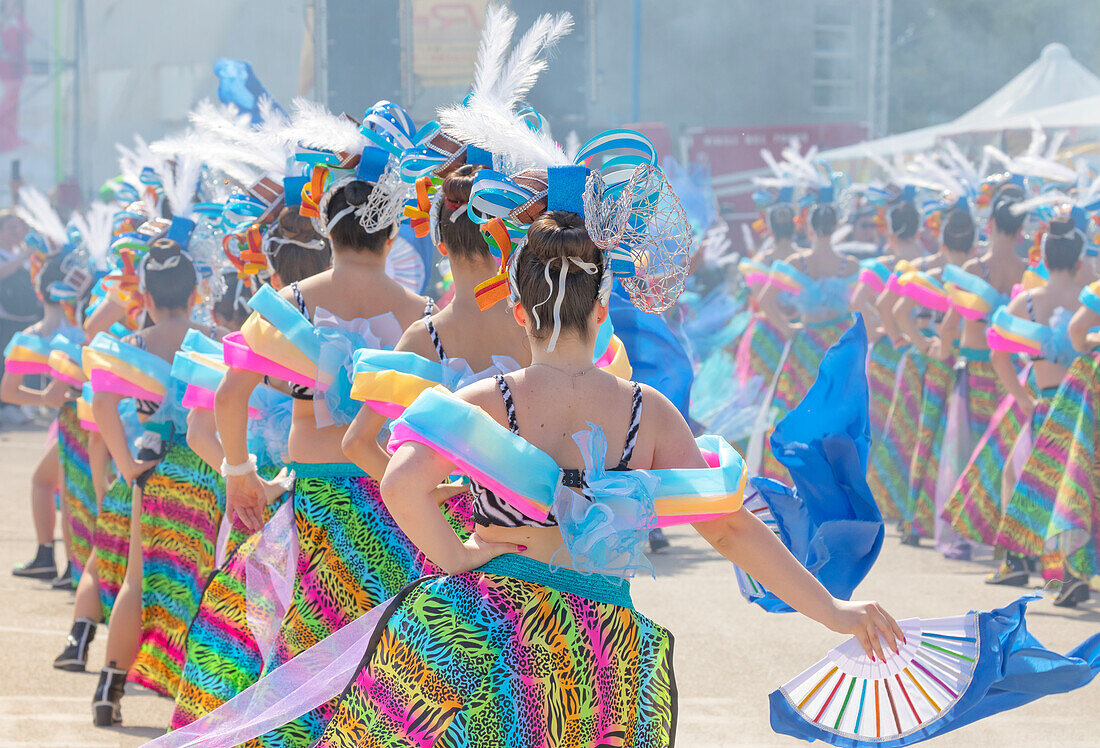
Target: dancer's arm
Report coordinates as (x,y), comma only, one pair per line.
(245,495)
(863,301)
(884,304)
(14,392)
(746,541)
(105,410)
(943,344)
(99,464)
(908,326)
(202,436)
(1006,372)
(410,490)
(1084,319)
(769,305)
(361,442)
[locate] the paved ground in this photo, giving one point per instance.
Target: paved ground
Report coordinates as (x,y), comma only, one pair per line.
(729,655)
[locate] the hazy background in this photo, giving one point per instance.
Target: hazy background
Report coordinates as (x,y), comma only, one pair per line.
(711,81)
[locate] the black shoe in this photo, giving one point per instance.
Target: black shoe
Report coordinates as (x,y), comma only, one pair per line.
(107,702)
(75,657)
(657,540)
(1073,592)
(911,538)
(1013,572)
(65,581)
(42,566)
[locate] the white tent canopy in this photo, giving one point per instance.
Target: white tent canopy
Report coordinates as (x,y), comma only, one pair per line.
(1054,91)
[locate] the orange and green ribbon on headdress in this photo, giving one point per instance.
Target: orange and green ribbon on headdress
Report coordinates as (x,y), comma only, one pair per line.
(314,191)
(250,259)
(501,241)
(418,211)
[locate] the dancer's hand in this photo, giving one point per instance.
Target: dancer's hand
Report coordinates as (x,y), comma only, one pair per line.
(477,552)
(870,623)
(132,469)
(57,393)
(246,496)
(937,350)
(1027,406)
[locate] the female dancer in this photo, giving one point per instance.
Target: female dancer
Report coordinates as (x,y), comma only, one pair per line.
(223,654)
(818,284)
(762,349)
(1072,433)
(46,479)
(351,554)
(779,220)
(1031,491)
(992,424)
(168,287)
(488,342)
(535,633)
(924,289)
(892,426)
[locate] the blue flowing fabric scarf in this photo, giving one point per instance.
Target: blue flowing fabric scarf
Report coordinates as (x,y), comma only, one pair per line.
(829,520)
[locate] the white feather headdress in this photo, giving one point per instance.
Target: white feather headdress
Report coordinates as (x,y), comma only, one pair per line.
(96,228)
(35,210)
(314,126)
(487,119)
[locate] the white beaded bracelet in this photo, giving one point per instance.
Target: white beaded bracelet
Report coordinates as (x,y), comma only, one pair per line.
(233,471)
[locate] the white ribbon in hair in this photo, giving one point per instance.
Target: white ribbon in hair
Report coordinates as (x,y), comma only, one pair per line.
(166,264)
(1043,242)
(272,244)
(589,268)
(148,263)
(336,218)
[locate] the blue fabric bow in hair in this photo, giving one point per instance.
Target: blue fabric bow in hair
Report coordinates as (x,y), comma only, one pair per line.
(605,528)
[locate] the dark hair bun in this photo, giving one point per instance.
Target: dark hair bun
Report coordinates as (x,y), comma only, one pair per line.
(1062,228)
(552,238)
(356,192)
(904,220)
(164,249)
(460,182)
(1007,221)
(169,283)
(958,231)
(461,236)
(1062,245)
(291,224)
(823,219)
(558,234)
(781,221)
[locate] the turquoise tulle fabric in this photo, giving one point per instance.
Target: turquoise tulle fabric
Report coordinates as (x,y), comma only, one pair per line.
(604,529)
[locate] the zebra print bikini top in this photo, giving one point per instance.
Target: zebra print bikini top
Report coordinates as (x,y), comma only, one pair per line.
(490,510)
